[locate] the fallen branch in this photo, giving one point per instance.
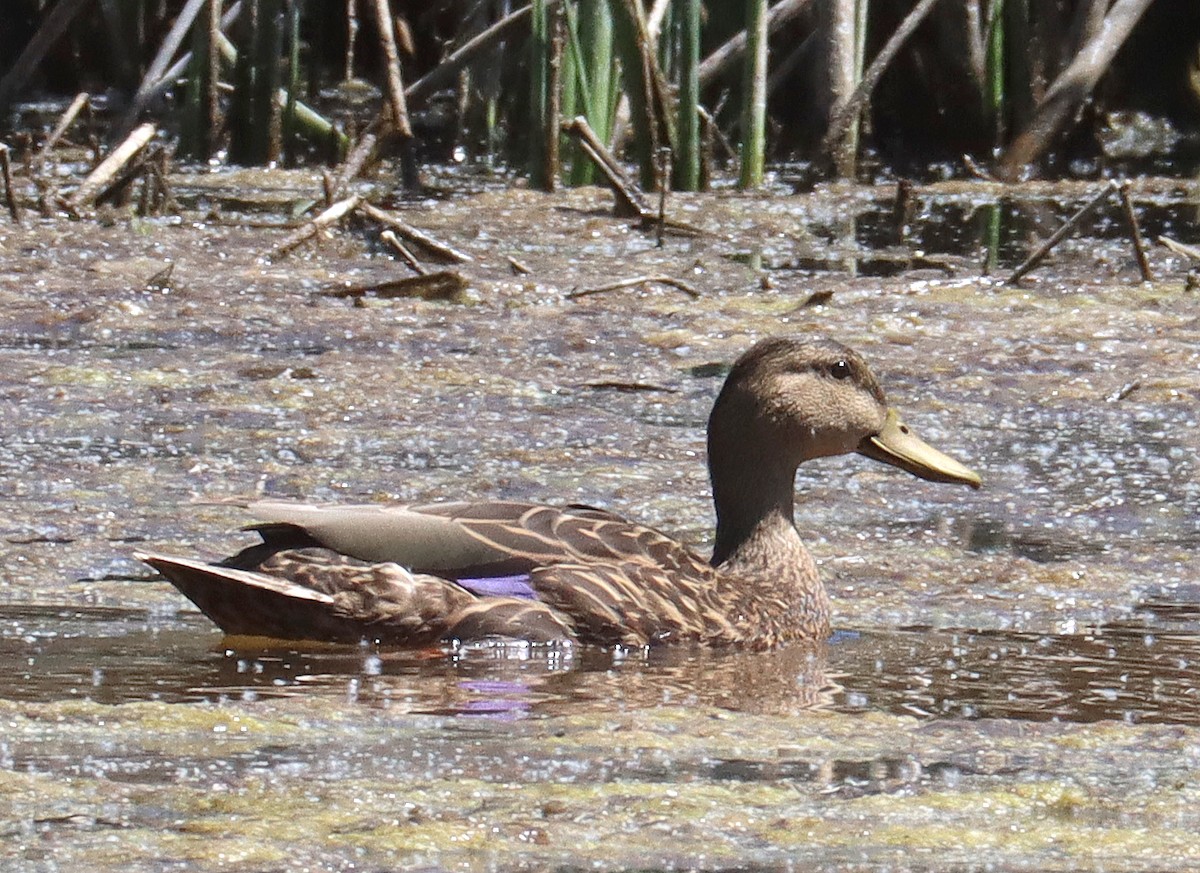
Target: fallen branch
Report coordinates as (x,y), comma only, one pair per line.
(413,235)
(99,178)
(444,285)
(330,216)
(634,282)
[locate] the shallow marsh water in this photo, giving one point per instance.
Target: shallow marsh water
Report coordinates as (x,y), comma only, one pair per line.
(1014,684)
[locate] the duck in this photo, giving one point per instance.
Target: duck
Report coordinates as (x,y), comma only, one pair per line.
(463,572)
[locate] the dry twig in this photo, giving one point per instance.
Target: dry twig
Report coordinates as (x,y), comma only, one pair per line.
(330,216)
(413,235)
(389,237)
(634,282)
(1135,231)
(1044,249)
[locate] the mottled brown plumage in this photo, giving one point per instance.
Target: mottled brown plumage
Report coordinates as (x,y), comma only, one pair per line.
(418,575)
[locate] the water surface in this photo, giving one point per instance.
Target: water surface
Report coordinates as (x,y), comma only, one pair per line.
(1013,684)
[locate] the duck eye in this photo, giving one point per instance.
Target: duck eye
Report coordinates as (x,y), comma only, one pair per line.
(839,370)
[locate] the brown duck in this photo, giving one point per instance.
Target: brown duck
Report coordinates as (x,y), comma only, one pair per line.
(419,575)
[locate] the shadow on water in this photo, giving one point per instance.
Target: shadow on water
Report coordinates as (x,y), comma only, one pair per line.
(1144,671)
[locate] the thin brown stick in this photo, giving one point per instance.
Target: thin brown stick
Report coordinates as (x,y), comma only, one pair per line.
(553,129)
(635,281)
(1135,231)
(64,121)
(389,237)
(10,196)
(395,82)
(664,182)
(1066,227)
(110,166)
(330,216)
(413,235)
(362,152)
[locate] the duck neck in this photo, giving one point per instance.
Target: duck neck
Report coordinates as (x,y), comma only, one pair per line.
(754,505)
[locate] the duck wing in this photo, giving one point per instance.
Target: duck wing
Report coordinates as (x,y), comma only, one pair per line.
(460,540)
(421,573)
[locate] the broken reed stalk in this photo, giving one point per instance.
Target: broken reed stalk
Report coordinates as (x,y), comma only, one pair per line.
(353,165)
(994,97)
(552,123)
(64,121)
(406,255)
(333,214)
(1179,248)
(445,285)
(1135,230)
(669,281)
(395,83)
(629,200)
(109,167)
(652,106)
(413,235)
(201,110)
(664,183)
(10,196)
(140,166)
(1044,249)
(289,126)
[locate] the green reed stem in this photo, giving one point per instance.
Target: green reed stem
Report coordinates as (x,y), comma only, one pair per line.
(754,107)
